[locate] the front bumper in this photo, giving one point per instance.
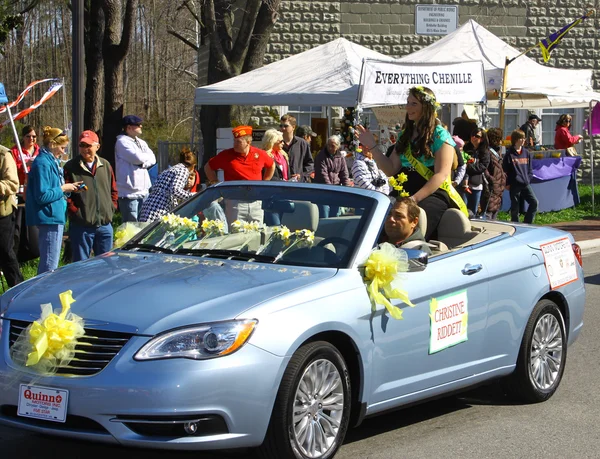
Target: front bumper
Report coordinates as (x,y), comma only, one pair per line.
(234,395)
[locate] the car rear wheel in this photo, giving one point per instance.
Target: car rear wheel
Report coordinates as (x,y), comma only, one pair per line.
(542,356)
(312,410)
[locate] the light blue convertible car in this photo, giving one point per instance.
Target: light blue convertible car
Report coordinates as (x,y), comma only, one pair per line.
(244,319)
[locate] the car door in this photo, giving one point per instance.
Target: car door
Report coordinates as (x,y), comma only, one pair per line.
(438,341)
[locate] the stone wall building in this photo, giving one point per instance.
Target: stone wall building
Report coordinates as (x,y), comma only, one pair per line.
(388,26)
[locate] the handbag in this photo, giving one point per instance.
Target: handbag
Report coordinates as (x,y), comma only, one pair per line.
(571,151)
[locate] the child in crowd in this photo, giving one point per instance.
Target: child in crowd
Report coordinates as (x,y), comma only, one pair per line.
(459,173)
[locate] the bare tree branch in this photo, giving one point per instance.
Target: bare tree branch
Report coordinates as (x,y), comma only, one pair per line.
(192,45)
(245,32)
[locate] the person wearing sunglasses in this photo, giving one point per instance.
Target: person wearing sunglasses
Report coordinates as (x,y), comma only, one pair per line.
(298,150)
(25,237)
(563,139)
(30,150)
(46,197)
(133,158)
(477,163)
(90,210)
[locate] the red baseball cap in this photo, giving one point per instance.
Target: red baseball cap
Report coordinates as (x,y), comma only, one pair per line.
(90,137)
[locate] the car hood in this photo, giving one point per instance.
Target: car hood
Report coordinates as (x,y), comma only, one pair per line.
(149,293)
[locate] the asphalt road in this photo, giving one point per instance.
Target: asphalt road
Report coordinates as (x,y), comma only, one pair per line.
(478,424)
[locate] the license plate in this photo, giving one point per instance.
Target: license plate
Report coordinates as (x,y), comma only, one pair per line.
(43,403)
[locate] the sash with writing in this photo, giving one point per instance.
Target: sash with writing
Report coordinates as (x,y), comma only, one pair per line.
(426,173)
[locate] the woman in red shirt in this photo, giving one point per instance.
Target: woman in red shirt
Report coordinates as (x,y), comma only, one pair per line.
(30,150)
(562,137)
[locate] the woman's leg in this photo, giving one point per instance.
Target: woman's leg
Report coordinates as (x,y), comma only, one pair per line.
(473,201)
(434,208)
(50,242)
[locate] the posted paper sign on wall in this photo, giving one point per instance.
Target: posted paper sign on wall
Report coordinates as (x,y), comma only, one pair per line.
(388,82)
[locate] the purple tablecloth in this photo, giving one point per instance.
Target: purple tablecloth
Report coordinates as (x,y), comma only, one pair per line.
(551,168)
(554,184)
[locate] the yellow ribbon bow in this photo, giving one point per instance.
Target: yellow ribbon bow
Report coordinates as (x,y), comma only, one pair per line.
(54,336)
(381,269)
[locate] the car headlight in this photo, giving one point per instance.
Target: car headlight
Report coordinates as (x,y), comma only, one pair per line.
(199,342)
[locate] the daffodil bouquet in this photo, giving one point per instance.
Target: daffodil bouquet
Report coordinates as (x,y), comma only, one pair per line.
(212,228)
(397,184)
(175,222)
(289,239)
(249,228)
(177,230)
(246,227)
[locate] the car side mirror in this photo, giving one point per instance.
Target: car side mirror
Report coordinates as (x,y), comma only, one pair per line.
(417,260)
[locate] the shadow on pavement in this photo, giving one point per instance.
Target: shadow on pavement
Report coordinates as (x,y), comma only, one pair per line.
(593,280)
(489,394)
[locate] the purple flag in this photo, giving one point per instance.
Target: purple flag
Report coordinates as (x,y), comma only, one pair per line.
(595,121)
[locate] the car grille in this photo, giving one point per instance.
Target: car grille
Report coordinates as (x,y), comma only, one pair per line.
(93,352)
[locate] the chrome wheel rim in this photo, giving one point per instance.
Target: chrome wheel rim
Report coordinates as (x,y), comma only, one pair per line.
(318,408)
(546,352)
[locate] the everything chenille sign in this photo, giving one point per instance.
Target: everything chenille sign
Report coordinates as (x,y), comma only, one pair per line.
(388,82)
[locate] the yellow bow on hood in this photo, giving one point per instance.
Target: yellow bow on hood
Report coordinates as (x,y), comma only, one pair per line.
(54,336)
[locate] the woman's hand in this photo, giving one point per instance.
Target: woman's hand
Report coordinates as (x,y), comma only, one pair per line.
(365,137)
(71,187)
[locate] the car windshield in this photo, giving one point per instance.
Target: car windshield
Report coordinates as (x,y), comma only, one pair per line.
(299,225)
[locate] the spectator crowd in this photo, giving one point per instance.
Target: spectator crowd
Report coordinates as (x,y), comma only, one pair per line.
(466,169)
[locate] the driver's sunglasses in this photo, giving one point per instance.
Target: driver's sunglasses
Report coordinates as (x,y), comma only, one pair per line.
(85,145)
(478,136)
(284,126)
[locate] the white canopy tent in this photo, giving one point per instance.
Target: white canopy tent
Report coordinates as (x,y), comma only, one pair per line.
(529,84)
(325,75)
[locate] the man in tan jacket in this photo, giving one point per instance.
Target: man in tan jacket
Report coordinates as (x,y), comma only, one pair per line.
(9,184)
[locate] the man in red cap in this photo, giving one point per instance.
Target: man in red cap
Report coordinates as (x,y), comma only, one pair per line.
(91,210)
(242,162)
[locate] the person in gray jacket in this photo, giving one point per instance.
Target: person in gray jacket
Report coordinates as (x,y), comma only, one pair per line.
(133,158)
(331,168)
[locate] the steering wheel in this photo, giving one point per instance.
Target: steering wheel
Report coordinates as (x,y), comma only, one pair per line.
(334,240)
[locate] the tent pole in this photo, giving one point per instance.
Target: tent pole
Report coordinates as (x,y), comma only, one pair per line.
(503,93)
(592,159)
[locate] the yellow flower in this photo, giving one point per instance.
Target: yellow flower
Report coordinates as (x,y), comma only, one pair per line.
(404,194)
(402,177)
(175,222)
(381,270)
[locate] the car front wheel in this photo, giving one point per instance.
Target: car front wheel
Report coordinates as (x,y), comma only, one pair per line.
(542,356)
(312,410)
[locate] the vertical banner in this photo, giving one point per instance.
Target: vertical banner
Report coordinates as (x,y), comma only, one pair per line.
(388,82)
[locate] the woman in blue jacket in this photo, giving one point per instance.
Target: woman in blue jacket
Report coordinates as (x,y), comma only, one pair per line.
(46,204)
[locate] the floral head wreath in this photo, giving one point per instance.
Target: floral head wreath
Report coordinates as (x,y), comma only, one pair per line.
(426,97)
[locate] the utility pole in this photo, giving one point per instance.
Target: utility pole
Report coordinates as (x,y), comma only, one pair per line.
(78,75)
